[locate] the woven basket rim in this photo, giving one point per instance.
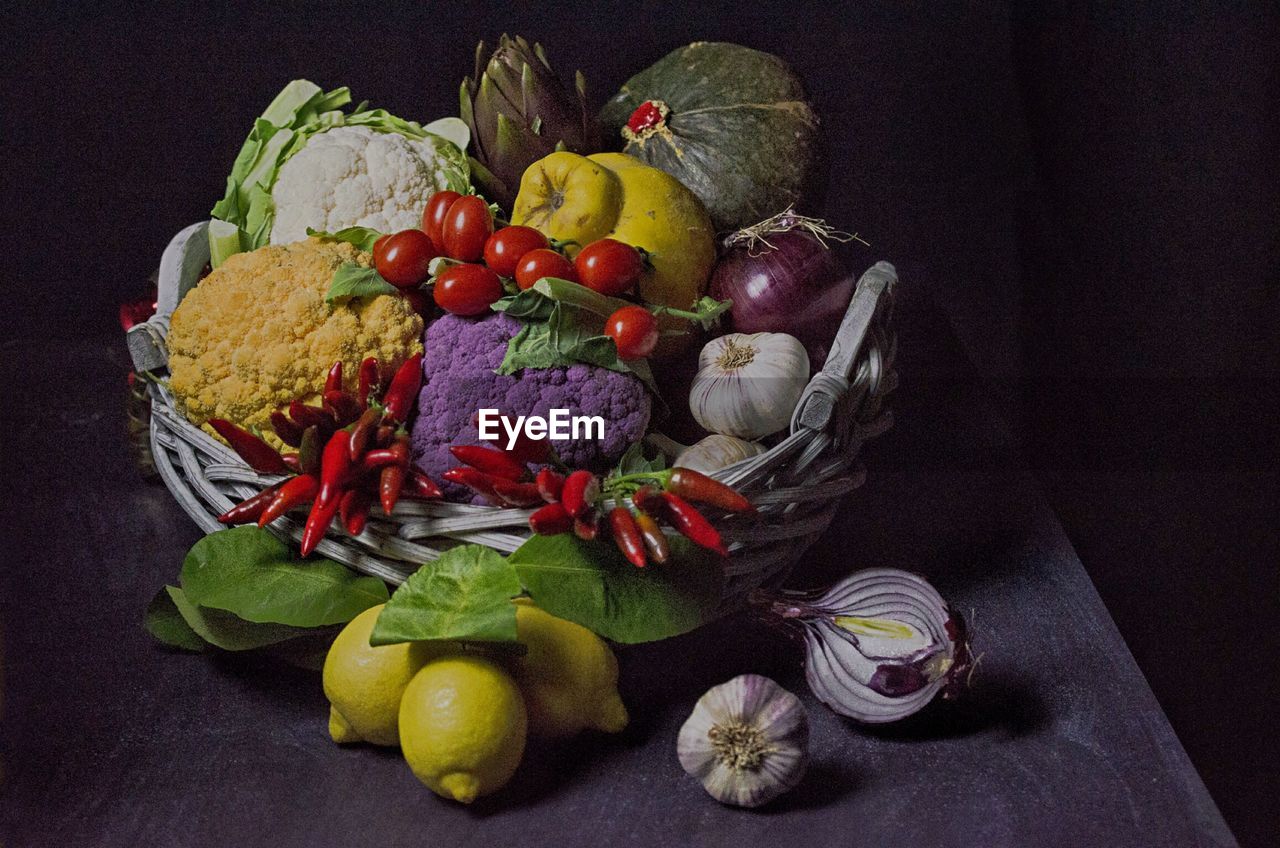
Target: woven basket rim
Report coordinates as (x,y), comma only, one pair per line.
(797,484)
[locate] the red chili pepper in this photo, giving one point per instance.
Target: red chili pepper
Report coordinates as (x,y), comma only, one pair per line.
(305,415)
(490,460)
(551,520)
(368,380)
(354,510)
(627,536)
(421,486)
(318,521)
(526,448)
(581,491)
(309,451)
(333,382)
(260,456)
(292,461)
(363,431)
(655,541)
(296,491)
(289,432)
(384,435)
(397,454)
(390,484)
(250,508)
(403,390)
(587,526)
(649,500)
(342,407)
(550,484)
(517,494)
(475,480)
(696,486)
(530,450)
(686,518)
(335,466)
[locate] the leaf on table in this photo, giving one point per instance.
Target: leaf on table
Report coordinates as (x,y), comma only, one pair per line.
(165,623)
(247,571)
(464,595)
(226,631)
(590,583)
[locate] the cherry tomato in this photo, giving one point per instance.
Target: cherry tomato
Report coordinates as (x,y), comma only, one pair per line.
(609,267)
(433,216)
(379,247)
(467,289)
(540,263)
(634,330)
(406,256)
(467,226)
(505,248)
(418,300)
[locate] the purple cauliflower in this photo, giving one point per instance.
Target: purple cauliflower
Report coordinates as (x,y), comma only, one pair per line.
(460,357)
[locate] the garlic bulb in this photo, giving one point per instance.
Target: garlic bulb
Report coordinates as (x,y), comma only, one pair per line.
(747,741)
(878,645)
(748,385)
(716,452)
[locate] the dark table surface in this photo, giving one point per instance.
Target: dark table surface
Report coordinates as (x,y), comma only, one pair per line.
(111,740)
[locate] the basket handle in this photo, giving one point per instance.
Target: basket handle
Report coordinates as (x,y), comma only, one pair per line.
(818,402)
(180,267)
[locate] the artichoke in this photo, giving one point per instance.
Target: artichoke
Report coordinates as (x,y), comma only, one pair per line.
(518,112)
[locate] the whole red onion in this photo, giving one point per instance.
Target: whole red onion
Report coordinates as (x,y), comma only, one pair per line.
(784,277)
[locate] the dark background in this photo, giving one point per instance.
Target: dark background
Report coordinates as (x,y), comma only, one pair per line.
(1091,195)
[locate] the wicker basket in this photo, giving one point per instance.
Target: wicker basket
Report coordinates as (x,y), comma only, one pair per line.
(797,484)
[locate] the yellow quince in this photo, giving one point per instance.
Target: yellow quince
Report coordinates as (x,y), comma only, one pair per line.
(612,195)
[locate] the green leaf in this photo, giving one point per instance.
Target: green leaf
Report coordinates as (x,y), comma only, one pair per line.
(226,631)
(578,295)
(164,622)
(361,237)
(529,348)
(590,583)
(635,462)
(464,595)
(352,280)
(528,305)
(247,571)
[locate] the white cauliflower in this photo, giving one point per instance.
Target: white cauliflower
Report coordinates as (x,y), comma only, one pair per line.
(354,176)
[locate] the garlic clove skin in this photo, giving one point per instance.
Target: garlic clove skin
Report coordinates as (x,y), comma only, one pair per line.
(746,741)
(716,452)
(748,385)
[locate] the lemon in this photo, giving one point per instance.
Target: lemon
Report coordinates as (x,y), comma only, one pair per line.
(364,683)
(569,676)
(462,727)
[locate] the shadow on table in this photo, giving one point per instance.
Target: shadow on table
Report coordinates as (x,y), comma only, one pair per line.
(1008,705)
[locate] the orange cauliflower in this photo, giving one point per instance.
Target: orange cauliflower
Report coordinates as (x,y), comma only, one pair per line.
(257,333)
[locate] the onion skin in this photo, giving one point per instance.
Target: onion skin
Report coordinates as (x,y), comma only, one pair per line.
(865,670)
(798,286)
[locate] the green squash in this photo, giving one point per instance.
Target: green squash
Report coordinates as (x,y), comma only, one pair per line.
(729,122)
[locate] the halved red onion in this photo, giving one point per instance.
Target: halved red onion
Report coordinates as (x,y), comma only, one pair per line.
(879,645)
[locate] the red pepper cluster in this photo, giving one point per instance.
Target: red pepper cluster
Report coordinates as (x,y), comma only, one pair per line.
(351,452)
(572,502)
